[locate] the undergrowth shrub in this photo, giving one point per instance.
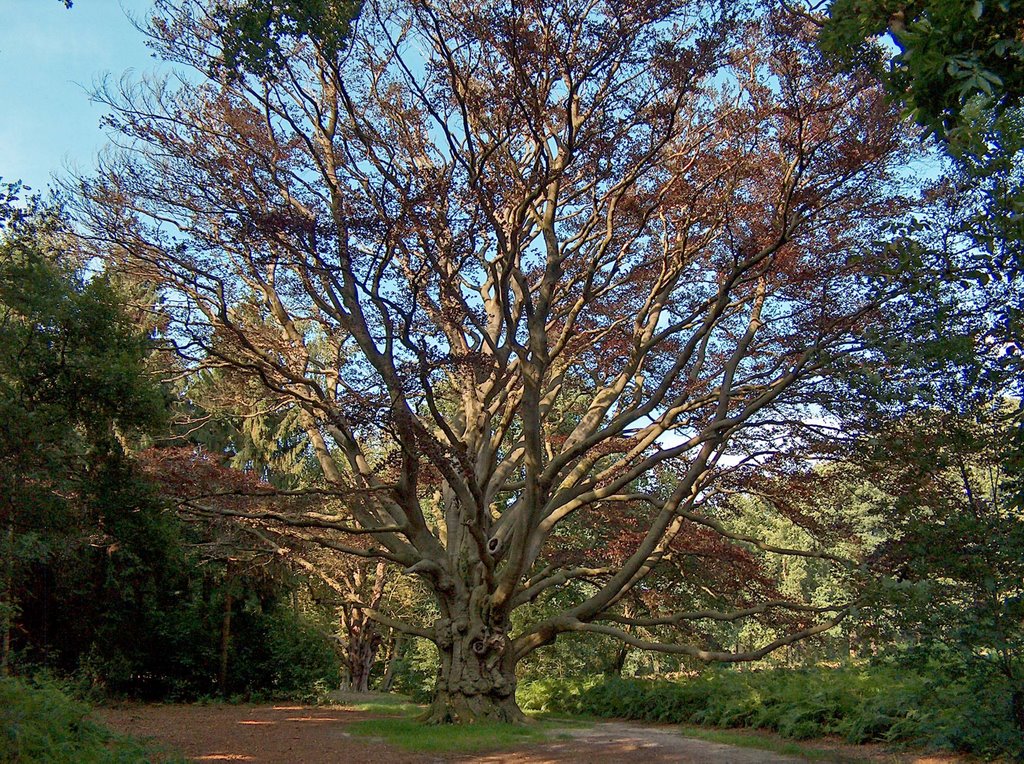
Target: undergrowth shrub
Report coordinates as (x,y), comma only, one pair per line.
(39,723)
(282,656)
(416,671)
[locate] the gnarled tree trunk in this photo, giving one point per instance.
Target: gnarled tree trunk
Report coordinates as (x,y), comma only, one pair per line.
(361,651)
(476,679)
(361,635)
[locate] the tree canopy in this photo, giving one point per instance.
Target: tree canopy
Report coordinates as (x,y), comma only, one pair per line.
(520,269)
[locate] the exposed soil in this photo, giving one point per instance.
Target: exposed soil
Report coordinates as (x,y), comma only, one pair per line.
(292,734)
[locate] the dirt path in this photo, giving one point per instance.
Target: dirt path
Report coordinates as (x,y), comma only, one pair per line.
(288,734)
(611,742)
(279,734)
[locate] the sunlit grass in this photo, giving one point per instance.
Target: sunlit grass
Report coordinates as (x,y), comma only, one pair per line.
(403,708)
(553,719)
(413,735)
(386,704)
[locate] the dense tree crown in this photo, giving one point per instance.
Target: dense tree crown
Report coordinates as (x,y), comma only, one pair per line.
(72,388)
(521,268)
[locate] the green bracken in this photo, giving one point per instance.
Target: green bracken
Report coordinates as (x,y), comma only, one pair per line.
(39,723)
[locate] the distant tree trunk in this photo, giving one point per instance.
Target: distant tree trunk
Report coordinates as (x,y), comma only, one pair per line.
(7,605)
(614,667)
(395,645)
(225,637)
(362,650)
(361,635)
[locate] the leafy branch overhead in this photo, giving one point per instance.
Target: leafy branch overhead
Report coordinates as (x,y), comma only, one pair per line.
(951,52)
(257,36)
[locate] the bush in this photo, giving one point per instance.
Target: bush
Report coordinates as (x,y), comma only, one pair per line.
(278,654)
(39,723)
(416,671)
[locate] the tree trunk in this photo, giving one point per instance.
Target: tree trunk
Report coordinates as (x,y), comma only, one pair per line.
(362,647)
(476,679)
(615,665)
(361,635)
(394,655)
(225,645)
(7,607)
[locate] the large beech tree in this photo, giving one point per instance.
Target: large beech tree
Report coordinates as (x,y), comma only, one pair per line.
(518,264)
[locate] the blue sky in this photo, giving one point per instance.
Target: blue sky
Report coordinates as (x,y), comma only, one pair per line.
(50,58)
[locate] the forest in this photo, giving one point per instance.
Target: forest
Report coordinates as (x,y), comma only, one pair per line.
(645,359)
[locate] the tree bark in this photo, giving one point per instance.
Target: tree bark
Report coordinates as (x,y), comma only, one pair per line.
(362,638)
(476,678)
(7,608)
(225,644)
(394,655)
(361,651)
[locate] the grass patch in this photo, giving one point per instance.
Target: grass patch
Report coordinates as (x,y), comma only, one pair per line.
(402,708)
(386,704)
(412,735)
(560,721)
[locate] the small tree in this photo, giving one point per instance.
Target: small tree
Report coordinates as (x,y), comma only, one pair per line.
(955,543)
(517,264)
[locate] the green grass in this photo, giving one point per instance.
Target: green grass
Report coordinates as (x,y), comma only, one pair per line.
(562,721)
(413,735)
(387,704)
(401,708)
